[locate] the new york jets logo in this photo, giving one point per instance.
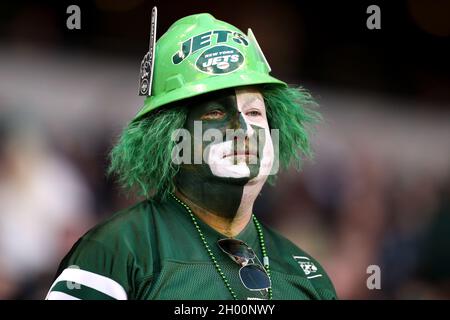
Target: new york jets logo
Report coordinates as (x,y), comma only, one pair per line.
(308,267)
(220,59)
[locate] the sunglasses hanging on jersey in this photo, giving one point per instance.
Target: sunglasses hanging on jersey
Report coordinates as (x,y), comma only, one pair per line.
(253,275)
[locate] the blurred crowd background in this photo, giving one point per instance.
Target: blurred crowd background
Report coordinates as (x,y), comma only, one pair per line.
(376,193)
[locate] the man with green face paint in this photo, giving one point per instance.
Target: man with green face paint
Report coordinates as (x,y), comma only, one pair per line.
(230,168)
(195,236)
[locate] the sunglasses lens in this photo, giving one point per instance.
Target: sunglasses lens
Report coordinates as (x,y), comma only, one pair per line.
(254,277)
(236,248)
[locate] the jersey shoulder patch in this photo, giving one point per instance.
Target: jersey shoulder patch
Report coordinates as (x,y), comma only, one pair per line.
(299,262)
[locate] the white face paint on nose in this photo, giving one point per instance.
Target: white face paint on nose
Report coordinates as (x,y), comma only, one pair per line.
(250,103)
(245,124)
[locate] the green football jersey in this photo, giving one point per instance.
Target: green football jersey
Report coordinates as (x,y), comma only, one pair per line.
(152,250)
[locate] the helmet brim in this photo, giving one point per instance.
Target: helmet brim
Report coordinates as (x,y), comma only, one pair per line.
(196,88)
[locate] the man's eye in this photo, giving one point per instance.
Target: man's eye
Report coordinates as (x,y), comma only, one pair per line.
(214,114)
(254,113)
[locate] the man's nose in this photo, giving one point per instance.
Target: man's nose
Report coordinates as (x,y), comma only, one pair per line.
(241,123)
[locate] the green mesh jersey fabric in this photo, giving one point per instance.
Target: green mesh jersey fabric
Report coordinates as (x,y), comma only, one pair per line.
(153,251)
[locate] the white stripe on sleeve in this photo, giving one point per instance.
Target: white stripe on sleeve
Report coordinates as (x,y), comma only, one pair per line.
(98,282)
(56,295)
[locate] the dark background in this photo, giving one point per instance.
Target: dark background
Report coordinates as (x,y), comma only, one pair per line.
(314,41)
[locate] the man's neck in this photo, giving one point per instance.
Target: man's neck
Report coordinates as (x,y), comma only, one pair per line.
(227,209)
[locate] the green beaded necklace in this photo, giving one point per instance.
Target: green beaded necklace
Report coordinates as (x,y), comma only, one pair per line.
(213,258)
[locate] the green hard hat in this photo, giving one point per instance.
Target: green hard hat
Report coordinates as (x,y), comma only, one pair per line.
(199,54)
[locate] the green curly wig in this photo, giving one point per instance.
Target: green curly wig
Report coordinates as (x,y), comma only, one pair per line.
(142,157)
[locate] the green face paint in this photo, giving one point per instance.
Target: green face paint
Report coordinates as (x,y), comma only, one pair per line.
(232,161)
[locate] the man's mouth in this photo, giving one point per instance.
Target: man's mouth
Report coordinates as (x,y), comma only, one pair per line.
(236,154)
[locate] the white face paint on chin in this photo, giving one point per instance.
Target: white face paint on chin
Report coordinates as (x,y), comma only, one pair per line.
(222,166)
(249,102)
